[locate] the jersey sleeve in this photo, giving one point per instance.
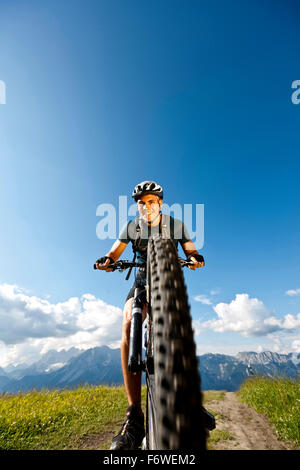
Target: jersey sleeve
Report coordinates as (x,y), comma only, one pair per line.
(124,234)
(181,232)
(185,234)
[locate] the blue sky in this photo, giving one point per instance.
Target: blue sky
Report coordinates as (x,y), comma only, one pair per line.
(103,94)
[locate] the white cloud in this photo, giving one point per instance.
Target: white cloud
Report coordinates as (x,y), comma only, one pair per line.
(215,291)
(296,346)
(289,322)
(249,317)
(203,299)
(292,292)
(243,315)
(285,343)
(197,326)
(30,326)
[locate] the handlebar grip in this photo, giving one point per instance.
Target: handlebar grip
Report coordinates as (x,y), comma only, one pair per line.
(112,268)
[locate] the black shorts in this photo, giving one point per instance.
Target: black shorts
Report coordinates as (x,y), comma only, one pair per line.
(140,281)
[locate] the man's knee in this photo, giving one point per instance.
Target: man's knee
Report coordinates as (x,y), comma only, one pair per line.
(127,312)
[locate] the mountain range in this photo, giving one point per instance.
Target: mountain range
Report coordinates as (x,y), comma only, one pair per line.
(102,365)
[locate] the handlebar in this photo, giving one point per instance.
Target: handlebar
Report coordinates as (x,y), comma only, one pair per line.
(121,265)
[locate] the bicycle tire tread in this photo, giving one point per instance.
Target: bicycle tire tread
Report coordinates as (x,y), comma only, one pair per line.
(177,379)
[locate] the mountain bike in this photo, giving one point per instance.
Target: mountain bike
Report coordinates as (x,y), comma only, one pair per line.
(174,413)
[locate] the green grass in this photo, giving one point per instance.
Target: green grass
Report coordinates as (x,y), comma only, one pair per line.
(279,400)
(210,395)
(60,419)
(218,435)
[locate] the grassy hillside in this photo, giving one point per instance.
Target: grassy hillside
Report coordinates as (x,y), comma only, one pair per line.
(60,419)
(279,400)
(68,419)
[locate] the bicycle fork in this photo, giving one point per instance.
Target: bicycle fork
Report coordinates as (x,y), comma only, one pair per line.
(135,363)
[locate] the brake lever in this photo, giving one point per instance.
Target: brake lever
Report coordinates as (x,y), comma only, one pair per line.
(118,266)
(184,262)
(114,266)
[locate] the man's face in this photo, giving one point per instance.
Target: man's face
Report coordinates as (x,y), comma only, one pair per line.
(149,207)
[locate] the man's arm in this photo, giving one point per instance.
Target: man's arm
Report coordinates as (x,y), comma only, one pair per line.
(190,250)
(116,250)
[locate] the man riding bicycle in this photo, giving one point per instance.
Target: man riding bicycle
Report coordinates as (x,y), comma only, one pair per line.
(151,221)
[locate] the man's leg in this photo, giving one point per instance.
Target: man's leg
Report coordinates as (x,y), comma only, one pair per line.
(132,382)
(132,431)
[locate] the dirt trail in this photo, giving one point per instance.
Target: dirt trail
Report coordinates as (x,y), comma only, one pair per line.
(241,428)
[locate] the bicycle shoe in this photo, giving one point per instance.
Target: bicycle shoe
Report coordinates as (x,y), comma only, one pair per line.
(132,431)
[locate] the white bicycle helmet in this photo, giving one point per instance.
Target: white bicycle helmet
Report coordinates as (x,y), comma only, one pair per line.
(147,187)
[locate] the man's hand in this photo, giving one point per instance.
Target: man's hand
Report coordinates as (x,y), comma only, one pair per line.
(198,261)
(103,264)
(192,255)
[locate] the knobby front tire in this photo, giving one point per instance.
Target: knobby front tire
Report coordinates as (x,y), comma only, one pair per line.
(174,394)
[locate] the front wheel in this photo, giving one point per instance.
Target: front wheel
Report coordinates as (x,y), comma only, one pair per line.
(174,417)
